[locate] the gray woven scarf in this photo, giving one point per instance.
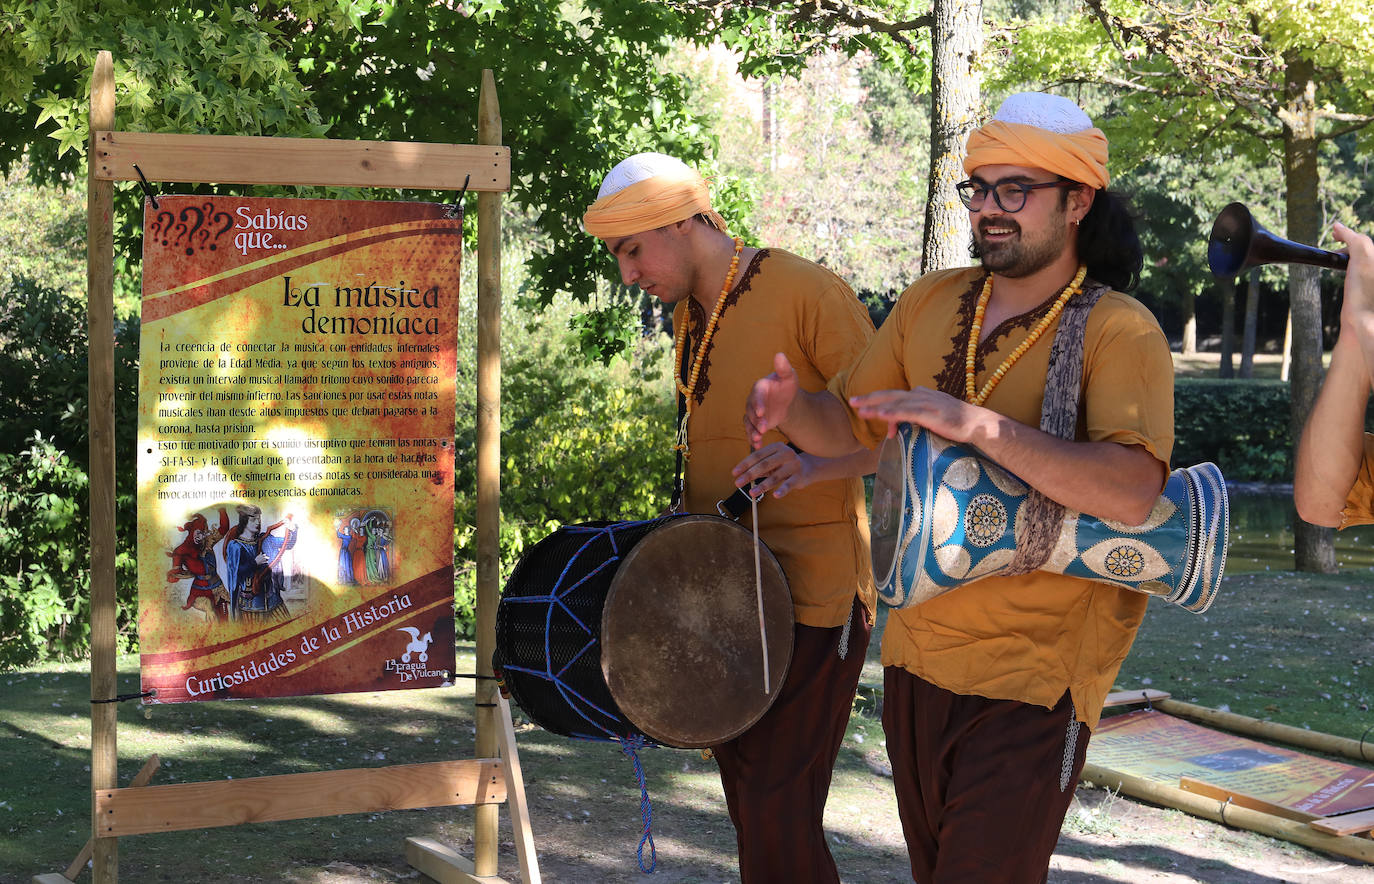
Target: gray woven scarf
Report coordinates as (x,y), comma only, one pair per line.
(1037,532)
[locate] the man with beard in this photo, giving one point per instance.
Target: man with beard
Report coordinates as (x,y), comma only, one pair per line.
(986,687)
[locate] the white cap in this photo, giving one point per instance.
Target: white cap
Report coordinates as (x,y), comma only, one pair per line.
(1044,111)
(640,167)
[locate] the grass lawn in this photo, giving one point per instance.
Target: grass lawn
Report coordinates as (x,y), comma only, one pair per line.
(1292,648)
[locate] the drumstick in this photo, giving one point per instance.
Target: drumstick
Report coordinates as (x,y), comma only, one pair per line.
(758,587)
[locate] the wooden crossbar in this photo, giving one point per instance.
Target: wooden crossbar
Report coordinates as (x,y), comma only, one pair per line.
(250,159)
(180,806)
(1240,799)
(1346,823)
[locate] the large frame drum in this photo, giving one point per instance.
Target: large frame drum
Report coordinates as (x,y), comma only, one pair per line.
(943,516)
(626,630)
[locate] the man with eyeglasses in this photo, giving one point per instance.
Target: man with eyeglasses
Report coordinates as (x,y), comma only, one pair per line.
(986,688)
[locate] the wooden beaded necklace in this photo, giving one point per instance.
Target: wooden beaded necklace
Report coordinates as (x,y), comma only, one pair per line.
(971,392)
(689,389)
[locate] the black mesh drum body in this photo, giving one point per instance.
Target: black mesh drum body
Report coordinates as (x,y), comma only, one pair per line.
(619,630)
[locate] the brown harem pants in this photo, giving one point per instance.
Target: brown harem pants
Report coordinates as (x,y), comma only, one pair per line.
(777,773)
(978,780)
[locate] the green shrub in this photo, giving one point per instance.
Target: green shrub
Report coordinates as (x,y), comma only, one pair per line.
(44,501)
(1241,426)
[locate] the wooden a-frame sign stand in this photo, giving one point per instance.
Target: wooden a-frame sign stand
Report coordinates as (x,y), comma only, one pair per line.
(485,781)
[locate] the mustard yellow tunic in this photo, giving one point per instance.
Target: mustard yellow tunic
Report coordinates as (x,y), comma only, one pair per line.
(1026,638)
(783,304)
(1359,503)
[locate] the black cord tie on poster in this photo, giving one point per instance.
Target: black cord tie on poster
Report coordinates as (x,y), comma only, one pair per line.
(455,209)
(1364,757)
(147,188)
(122,697)
(1224,805)
(1149,707)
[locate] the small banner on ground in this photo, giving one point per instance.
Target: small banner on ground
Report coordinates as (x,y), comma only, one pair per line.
(295,446)
(1164,749)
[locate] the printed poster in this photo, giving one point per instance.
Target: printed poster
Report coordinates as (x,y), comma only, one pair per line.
(295,446)
(1161,748)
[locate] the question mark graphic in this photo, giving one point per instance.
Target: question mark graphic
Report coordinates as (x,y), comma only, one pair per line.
(190,234)
(166,228)
(228,223)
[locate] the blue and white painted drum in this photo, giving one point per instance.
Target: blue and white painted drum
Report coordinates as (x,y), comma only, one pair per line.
(943,517)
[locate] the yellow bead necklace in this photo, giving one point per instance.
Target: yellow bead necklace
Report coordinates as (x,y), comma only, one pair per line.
(971,391)
(688,390)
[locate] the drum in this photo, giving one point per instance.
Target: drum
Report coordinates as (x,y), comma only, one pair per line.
(943,517)
(625,630)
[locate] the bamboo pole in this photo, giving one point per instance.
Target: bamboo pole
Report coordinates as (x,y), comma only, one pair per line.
(100,393)
(1359,750)
(1230,814)
(486,821)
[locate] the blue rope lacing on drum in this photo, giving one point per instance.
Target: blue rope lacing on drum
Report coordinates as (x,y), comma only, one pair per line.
(555,599)
(631,746)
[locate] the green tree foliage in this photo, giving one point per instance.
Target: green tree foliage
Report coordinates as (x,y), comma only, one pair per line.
(42,232)
(834,158)
(44,536)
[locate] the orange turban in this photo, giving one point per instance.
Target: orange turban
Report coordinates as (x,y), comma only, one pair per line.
(648,191)
(1045,131)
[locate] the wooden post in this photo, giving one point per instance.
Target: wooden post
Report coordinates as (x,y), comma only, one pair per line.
(486,838)
(142,778)
(100,367)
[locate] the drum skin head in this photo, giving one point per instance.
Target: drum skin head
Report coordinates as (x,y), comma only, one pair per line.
(680,632)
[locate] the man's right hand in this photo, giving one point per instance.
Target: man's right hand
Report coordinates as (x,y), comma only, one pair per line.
(770,400)
(1359,275)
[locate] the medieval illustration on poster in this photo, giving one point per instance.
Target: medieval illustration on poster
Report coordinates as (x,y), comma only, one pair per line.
(295,446)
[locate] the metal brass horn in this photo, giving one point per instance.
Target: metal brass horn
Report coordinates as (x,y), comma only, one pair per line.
(1239,242)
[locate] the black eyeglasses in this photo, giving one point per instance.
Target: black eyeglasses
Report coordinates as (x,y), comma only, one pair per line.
(1009,195)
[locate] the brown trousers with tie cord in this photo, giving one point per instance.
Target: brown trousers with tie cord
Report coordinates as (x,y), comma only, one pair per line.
(982,785)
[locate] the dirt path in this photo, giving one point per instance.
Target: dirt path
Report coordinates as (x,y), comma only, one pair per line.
(585,815)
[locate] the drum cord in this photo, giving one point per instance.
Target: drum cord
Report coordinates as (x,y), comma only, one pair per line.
(631,746)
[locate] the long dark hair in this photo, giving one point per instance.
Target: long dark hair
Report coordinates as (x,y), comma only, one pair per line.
(1109,244)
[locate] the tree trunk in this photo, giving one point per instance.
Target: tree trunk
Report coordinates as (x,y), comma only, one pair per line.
(1189,345)
(769,142)
(1313,545)
(1247,341)
(956,42)
(1286,354)
(1227,288)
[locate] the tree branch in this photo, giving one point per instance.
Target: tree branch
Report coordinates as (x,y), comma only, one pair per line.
(825,14)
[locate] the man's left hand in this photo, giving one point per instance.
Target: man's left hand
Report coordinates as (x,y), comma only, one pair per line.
(777,467)
(938,412)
